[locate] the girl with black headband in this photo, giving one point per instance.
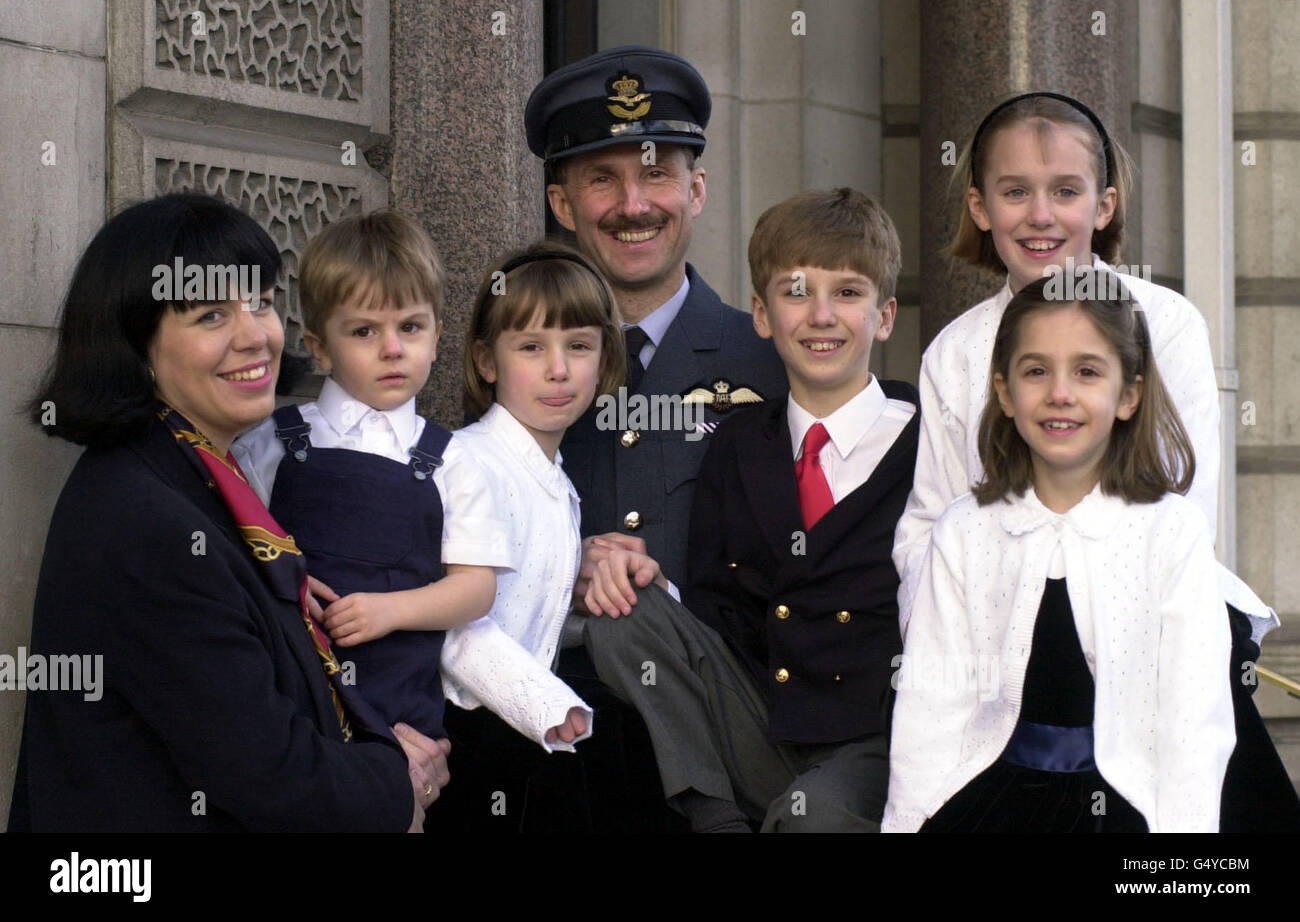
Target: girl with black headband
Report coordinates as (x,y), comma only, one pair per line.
(543,341)
(1046,191)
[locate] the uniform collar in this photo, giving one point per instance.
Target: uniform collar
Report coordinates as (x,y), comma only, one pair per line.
(520,442)
(846,426)
(1095,516)
(344,413)
(656,323)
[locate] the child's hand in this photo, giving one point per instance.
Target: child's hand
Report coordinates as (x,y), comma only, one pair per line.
(594,550)
(575,724)
(315,588)
(357,618)
(615,579)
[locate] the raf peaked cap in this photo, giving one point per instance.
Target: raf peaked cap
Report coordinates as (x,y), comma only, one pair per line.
(626,94)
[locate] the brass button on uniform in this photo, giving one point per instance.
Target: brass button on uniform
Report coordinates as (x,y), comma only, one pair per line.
(782,612)
(843,617)
(632,521)
(630,438)
(783,675)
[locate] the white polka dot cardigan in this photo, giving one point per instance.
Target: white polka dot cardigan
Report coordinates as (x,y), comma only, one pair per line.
(1143,588)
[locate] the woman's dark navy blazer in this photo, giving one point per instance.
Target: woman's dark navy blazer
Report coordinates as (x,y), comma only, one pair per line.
(215,711)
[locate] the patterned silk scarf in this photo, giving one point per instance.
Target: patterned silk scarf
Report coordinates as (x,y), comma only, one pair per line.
(281,563)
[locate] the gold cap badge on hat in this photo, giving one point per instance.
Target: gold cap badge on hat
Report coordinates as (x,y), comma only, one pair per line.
(629,103)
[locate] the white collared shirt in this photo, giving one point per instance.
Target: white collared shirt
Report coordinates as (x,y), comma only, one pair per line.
(656,323)
(861,433)
(1145,597)
(954,385)
(471,531)
(503,661)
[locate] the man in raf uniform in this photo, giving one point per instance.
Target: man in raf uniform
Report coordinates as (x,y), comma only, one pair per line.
(620,132)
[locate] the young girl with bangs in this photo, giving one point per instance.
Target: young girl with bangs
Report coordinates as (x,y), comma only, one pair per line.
(1065,665)
(1046,191)
(543,341)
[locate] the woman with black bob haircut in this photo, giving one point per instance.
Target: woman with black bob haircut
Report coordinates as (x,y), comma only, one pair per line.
(207,697)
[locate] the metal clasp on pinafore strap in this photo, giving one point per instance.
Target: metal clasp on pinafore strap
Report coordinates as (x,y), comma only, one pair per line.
(426,454)
(293,431)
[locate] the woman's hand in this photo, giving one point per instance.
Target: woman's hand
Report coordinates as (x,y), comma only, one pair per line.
(427,762)
(417,818)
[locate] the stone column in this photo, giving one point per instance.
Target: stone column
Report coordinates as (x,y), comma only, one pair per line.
(1208,157)
(1266,320)
(458,160)
(972,56)
(52,188)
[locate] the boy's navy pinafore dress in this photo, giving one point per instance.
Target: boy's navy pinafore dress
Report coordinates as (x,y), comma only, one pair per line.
(370,524)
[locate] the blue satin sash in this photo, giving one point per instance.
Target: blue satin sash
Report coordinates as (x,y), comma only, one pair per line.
(1049,748)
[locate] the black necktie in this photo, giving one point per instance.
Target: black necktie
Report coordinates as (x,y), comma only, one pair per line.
(635,338)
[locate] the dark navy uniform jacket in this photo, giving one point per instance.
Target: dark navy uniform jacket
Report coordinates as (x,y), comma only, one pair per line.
(644,485)
(210,684)
(819,629)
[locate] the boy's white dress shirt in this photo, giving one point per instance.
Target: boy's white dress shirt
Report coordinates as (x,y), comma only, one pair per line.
(861,433)
(1146,603)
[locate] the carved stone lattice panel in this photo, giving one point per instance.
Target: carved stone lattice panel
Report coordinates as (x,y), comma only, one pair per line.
(310,47)
(290,209)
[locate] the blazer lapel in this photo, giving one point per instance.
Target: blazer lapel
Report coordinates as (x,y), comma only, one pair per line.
(898,461)
(767,477)
(162,453)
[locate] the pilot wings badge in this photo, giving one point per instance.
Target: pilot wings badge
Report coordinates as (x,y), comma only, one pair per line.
(722,398)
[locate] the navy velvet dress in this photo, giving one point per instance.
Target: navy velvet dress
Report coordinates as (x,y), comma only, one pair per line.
(1046,779)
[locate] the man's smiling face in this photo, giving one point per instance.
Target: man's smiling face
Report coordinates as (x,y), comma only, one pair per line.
(632,218)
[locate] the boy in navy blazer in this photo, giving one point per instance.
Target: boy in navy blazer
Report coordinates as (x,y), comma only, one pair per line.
(768,696)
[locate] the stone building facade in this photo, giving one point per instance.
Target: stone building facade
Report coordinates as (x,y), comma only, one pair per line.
(303,111)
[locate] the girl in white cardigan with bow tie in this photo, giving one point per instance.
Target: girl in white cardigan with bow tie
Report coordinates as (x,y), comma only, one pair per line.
(1065,666)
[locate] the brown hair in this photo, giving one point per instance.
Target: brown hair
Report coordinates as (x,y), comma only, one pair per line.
(976,246)
(384,256)
(1134,466)
(569,291)
(829,229)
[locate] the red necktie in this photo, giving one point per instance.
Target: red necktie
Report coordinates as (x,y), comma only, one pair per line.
(815,497)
